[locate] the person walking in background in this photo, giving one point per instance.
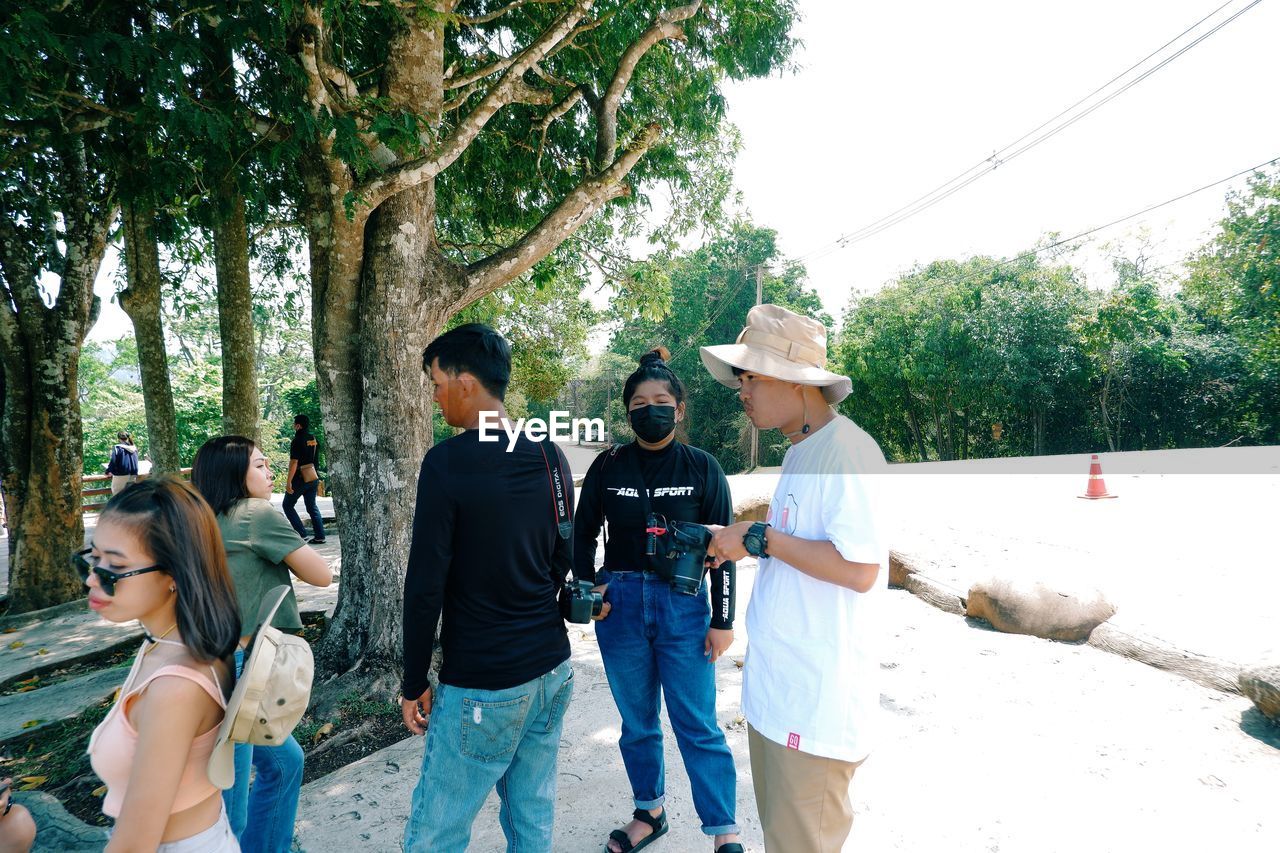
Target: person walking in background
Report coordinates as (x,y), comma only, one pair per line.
(123,466)
(157,558)
(809,687)
(303,480)
(234,476)
(490,553)
(657,641)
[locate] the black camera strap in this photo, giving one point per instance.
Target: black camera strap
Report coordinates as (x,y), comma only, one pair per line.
(559,497)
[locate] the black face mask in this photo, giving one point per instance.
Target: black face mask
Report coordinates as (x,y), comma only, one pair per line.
(653,423)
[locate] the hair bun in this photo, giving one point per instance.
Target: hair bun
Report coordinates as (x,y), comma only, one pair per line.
(658,354)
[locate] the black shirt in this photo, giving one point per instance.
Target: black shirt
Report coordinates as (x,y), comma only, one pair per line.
(684,483)
(487,553)
(303,448)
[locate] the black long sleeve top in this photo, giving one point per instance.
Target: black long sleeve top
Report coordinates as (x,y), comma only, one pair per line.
(486,554)
(684,483)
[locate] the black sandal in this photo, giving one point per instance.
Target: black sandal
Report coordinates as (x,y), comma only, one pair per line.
(731,847)
(657,824)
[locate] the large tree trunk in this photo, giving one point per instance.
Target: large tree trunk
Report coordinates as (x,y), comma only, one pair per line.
(381,290)
(41,428)
(378,412)
(407,293)
(240,407)
(141,301)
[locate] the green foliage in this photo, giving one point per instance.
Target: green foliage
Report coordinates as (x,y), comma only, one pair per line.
(518,168)
(1234,290)
(952,349)
(547,321)
(701,298)
(110,400)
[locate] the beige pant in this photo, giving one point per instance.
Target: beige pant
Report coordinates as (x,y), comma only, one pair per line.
(803,799)
(120,481)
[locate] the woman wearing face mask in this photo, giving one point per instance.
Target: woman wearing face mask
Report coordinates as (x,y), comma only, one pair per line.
(262,550)
(655,640)
(157,558)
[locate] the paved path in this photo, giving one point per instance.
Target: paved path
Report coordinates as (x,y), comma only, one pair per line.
(991,742)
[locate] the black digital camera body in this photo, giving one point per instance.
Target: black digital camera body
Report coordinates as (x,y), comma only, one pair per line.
(683,547)
(578,602)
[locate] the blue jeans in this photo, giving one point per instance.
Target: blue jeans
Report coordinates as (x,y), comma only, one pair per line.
(262,819)
(653,644)
(479,739)
(306,491)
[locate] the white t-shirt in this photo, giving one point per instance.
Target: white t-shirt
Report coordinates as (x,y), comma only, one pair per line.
(811,680)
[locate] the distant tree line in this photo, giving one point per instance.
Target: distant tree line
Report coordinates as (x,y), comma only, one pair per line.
(988,357)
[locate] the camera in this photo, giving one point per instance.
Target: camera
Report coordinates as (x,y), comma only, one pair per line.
(683,545)
(578,603)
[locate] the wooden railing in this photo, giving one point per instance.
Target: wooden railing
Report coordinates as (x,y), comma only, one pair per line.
(94,496)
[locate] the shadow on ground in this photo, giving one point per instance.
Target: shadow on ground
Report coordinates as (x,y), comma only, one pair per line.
(1256,725)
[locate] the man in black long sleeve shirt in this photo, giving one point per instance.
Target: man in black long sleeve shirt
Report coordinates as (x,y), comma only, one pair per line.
(488,557)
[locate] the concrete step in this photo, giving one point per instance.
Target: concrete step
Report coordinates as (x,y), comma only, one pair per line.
(23,715)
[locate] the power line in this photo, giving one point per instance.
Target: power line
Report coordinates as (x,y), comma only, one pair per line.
(1011,151)
(1065,240)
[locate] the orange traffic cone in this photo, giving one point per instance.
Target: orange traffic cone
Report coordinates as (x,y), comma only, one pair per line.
(1097,489)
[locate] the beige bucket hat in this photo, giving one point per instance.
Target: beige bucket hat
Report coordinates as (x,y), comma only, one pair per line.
(270,696)
(781,344)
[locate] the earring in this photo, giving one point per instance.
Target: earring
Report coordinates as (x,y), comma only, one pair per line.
(172,588)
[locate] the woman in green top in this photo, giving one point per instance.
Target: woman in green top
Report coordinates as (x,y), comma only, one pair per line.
(262,549)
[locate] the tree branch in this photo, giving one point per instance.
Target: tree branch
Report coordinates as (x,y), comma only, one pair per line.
(498,13)
(665,26)
(544,124)
(274,225)
(485,276)
(480,73)
(509,88)
(310,43)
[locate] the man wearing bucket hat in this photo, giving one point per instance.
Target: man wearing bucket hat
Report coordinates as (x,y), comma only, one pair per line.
(809,689)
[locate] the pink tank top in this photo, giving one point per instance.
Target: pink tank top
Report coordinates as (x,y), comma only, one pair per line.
(114,741)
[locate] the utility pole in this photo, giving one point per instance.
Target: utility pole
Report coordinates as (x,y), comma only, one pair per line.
(755,433)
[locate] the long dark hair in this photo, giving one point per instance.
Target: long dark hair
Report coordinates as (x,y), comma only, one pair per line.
(653,365)
(219,470)
(179,529)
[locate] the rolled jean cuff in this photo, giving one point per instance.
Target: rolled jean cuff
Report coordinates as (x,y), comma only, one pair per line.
(651,804)
(727,829)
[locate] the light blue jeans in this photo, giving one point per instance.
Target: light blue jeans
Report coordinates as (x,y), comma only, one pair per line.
(481,739)
(653,644)
(262,818)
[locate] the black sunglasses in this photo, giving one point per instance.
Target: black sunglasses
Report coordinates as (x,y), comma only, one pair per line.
(107,578)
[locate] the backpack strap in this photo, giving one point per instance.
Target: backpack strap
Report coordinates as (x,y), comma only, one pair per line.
(604,524)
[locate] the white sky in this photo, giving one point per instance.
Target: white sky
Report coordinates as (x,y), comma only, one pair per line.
(893,99)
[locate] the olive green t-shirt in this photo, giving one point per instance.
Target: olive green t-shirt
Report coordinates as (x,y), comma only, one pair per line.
(258,538)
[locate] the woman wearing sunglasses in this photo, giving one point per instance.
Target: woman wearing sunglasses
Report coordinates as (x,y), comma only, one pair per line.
(157,558)
(262,550)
